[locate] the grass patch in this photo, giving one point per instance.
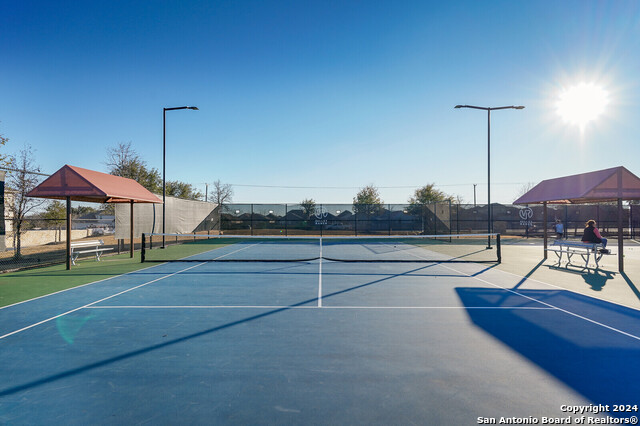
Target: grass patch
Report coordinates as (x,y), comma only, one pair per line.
(24,285)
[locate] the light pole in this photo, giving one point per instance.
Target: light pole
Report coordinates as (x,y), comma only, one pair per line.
(474,194)
(164,162)
(490,211)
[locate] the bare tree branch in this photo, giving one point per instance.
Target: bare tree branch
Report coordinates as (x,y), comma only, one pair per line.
(20,183)
(221,192)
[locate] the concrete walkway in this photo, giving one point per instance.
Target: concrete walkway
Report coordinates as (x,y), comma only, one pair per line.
(525,258)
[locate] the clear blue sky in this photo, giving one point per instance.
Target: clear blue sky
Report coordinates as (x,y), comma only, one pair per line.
(322,93)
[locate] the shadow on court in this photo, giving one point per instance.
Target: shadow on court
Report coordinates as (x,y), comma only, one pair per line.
(595,278)
(590,345)
(77,321)
(631,285)
(528,274)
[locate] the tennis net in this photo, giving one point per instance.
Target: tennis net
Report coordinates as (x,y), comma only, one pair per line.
(244,248)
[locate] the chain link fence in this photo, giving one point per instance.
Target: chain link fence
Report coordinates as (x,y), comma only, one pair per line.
(426,219)
(42,241)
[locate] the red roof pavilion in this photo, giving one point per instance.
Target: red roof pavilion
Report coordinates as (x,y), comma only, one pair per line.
(91,186)
(614,184)
(77,184)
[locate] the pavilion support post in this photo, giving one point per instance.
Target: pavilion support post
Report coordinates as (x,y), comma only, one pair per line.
(131,230)
(620,238)
(544,219)
(68,233)
(620,234)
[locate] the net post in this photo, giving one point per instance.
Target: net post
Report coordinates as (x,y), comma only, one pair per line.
(498,248)
(143,248)
(545,225)
(449,220)
(435,219)
(355,220)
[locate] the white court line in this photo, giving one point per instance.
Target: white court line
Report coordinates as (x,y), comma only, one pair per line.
(564,288)
(547,304)
(97,301)
(235,251)
(538,301)
(542,308)
(114,295)
(81,285)
(106,279)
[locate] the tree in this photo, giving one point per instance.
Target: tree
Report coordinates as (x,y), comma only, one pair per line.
(55,212)
(121,158)
(308,206)
(429,194)
(524,189)
(54,215)
(425,195)
(20,183)
(221,193)
(149,178)
(179,189)
(124,161)
(367,201)
(422,205)
(83,210)
(4,159)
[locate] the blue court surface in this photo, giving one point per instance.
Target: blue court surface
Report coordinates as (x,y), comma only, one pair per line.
(314,342)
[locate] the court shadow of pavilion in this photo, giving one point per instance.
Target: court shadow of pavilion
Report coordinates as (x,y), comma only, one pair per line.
(589,344)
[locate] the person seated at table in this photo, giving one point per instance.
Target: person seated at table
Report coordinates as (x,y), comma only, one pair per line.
(592,235)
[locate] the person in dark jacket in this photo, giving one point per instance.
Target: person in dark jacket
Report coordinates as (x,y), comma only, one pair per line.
(592,235)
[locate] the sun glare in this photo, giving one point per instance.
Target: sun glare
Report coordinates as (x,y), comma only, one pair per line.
(582,103)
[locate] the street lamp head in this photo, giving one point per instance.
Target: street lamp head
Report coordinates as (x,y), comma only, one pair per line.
(182,107)
(473,107)
(489,108)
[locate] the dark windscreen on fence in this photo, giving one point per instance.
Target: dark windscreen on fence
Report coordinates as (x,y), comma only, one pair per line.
(425,219)
(41,241)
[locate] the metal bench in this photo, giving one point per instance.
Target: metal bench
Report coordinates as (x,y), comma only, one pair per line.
(92,246)
(585,250)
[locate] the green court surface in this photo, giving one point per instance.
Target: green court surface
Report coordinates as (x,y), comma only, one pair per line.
(28,284)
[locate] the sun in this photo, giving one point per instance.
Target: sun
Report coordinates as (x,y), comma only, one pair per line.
(582,103)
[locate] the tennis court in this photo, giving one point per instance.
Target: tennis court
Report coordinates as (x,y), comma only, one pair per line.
(315,341)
